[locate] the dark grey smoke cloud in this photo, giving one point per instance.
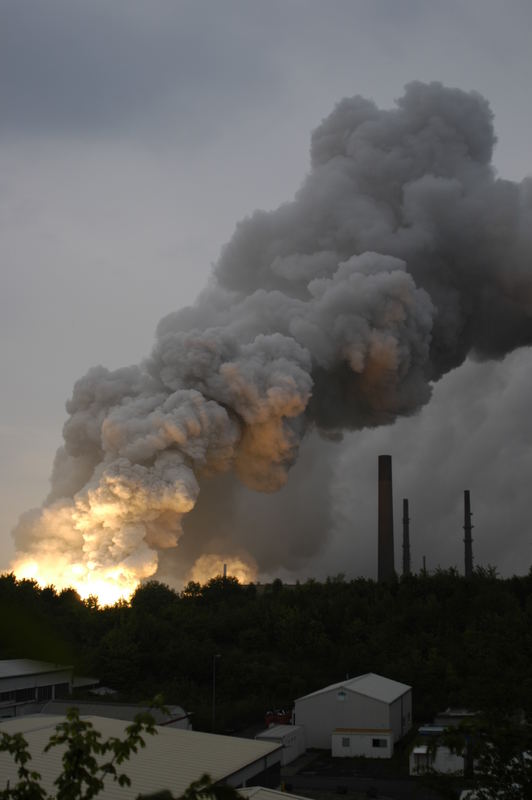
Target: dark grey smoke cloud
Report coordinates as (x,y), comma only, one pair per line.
(400,255)
(474,434)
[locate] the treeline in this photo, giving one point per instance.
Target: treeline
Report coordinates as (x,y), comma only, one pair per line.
(457,642)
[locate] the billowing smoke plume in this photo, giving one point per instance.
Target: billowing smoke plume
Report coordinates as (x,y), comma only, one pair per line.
(401,254)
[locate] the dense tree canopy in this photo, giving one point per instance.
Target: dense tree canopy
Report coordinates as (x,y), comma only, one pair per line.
(456,641)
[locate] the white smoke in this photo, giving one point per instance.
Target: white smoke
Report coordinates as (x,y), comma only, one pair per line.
(401,254)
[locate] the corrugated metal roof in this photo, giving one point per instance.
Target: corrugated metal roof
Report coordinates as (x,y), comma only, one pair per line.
(15,667)
(277,731)
(370,685)
(261,793)
(113,710)
(172,759)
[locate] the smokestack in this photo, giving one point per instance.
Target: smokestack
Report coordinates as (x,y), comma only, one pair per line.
(309,322)
(406,538)
(386,569)
(468,541)
(225,571)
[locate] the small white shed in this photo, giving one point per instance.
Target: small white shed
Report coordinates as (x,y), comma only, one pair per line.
(372,743)
(368,708)
(291,737)
(438,759)
(431,754)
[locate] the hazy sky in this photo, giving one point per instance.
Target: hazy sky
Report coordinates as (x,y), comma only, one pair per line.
(134,135)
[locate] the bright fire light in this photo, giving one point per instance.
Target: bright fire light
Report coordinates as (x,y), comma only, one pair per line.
(107,585)
(208,566)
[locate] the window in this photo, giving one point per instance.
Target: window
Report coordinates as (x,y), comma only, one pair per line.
(44,693)
(346,741)
(24,694)
(379,742)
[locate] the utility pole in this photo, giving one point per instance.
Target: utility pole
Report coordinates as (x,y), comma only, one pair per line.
(406,538)
(214,658)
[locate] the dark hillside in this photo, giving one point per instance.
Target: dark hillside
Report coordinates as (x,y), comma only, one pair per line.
(456,641)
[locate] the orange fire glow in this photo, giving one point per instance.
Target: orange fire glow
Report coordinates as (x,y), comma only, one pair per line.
(208,566)
(107,585)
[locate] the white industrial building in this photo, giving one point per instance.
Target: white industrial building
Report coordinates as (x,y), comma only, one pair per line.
(438,758)
(26,685)
(171,759)
(430,753)
(361,716)
(290,737)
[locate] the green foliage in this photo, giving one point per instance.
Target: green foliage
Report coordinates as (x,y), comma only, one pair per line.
(456,641)
(501,749)
(204,788)
(87,760)
(28,786)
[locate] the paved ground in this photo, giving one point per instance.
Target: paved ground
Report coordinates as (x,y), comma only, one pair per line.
(390,788)
(319,776)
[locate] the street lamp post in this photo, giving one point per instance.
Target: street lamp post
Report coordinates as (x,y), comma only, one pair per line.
(215,656)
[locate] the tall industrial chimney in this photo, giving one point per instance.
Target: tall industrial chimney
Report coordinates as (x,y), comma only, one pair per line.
(468,541)
(406,538)
(386,569)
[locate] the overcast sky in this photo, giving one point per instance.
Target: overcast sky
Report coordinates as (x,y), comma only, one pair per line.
(134,135)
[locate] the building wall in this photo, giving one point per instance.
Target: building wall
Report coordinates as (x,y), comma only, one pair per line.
(442,760)
(266,772)
(15,682)
(291,738)
(27,693)
(322,713)
(401,715)
(345,744)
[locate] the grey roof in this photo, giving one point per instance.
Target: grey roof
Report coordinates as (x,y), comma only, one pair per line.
(172,759)
(113,710)
(84,682)
(277,731)
(16,667)
(370,685)
(261,793)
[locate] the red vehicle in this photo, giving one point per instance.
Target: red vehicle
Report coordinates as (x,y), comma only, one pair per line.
(278,717)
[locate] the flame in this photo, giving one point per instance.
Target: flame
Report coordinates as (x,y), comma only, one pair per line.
(210,565)
(107,585)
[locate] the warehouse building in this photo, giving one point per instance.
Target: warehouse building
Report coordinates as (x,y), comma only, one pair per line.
(26,685)
(359,716)
(290,737)
(170,716)
(171,759)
